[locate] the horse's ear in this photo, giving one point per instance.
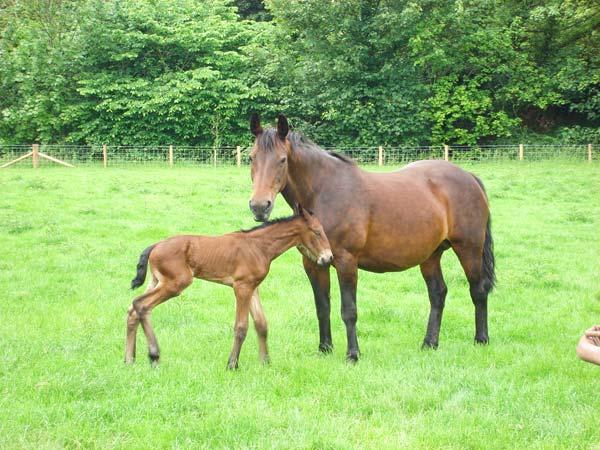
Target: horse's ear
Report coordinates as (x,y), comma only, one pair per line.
(282,127)
(255,127)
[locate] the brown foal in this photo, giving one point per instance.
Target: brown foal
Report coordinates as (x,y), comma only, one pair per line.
(240,260)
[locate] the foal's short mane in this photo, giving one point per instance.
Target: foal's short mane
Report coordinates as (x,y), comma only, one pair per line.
(269,223)
(266,141)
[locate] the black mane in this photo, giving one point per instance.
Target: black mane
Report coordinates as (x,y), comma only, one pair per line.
(266,141)
(269,223)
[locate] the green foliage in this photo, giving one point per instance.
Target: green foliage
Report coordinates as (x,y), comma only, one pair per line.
(347,72)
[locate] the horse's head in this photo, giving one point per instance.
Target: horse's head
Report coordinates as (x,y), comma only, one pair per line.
(313,241)
(269,164)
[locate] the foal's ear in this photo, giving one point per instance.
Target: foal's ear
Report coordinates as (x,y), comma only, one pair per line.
(301,210)
(255,127)
(282,127)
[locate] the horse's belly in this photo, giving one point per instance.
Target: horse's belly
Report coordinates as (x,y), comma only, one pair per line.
(404,242)
(396,259)
(379,266)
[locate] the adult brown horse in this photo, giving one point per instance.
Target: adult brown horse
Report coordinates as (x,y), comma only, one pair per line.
(379,222)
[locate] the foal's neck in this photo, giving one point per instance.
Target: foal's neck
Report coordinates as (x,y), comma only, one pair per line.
(272,240)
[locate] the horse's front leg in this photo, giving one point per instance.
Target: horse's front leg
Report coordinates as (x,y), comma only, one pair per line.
(346,265)
(243,298)
(319,280)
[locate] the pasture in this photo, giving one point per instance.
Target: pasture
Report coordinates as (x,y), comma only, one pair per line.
(70,243)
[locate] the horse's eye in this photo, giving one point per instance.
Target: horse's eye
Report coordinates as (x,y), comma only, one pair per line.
(282,160)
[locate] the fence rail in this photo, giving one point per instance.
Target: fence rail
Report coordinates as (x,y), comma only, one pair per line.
(170,155)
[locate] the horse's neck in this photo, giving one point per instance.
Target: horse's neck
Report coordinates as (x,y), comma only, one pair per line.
(310,171)
(275,239)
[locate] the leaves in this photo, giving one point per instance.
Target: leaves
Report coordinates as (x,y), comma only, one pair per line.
(347,72)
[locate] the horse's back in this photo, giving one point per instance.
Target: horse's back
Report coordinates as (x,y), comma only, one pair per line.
(414,209)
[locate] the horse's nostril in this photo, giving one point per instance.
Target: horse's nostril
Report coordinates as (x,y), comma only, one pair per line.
(268,203)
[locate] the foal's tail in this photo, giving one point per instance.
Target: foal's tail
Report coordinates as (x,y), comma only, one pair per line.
(488,264)
(142,268)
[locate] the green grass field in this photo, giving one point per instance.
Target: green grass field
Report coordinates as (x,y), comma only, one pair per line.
(70,244)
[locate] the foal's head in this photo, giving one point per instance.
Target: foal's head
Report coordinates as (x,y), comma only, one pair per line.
(313,241)
(269,165)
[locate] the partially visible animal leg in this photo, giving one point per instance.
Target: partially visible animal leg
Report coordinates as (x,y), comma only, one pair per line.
(243,297)
(132,325)
(347,271)
(165,290)
(437,290)
(471,259)
(260,324)
(319,280)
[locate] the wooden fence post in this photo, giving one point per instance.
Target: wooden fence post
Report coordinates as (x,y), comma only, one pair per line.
(215,157)
(104,155)
(238,156)
(170,156)
(589,152)
(446,152)
(35,155)
(380,155)
(521,152)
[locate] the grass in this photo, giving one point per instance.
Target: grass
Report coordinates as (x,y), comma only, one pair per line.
(70,243)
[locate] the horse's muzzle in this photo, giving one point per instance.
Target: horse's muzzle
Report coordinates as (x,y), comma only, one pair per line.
(261,209)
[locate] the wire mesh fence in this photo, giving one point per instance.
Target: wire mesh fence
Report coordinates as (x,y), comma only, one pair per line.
(170,155)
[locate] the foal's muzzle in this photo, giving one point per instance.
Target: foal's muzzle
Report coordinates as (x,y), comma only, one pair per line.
(261,209)
(325,258)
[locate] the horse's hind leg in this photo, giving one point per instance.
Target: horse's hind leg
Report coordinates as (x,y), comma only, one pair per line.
(260,324)
(144,305)
(132,325)
(436,288)
(471,259)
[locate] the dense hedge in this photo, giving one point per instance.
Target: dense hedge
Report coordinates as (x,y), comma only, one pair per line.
(347,72)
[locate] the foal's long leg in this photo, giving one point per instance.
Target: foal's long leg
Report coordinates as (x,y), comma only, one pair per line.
(319,280)
(132,325)
(243,298)
(436,288)
(165,290)
(260,323)
(347,271)
(471,259)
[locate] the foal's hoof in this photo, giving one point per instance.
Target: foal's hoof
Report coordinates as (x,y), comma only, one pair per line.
(232,366)
(482,340)
(352,357)
(325,348)
(153,360)
(427,345)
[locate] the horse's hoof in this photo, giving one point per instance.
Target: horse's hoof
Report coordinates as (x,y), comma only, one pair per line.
(129,362)
(266,361)
(326,348)
(482,340)
(352,357)
(427,345)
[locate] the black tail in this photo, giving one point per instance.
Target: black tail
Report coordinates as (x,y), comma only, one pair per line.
(489,272)
(142,268)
